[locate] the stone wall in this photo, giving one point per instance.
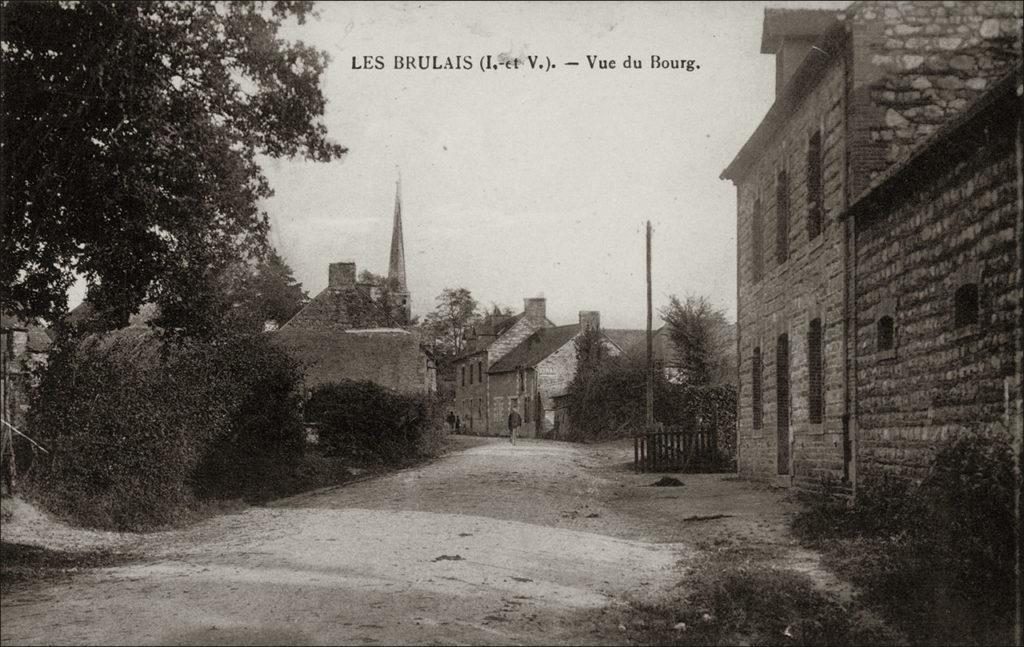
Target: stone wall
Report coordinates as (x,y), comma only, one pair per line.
(955,222)
(892,77)
(471,397)
(916,65)
(391,358)
(808,285)
(504,390)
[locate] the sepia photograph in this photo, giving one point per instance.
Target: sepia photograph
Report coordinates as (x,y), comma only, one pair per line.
(511,323)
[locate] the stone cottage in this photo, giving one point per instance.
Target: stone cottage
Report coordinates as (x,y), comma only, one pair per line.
(857,91)
(358,331)
(486,343)
(344,332)
(528,377)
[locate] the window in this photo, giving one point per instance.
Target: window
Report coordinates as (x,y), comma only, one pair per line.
(521,385)
(815,373)
(757,242)
(965,304)
(470,373)
(885,333)
(782,217)
(755,389)
(463,373)
(480,372)
(814,198)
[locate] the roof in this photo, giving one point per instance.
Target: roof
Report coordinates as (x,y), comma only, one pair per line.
(535,348)
(794,23)
(341,308)
(965,129)
(806,77)
(38,339)
(625,338)
(499,329)
(392,357)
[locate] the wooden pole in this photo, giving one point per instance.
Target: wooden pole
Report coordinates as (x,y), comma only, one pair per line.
(650,341)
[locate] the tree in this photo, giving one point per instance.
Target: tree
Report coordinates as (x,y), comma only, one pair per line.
(591,353)
(130,143)
(447,325)
(387,297)
(278,295)
(701,336)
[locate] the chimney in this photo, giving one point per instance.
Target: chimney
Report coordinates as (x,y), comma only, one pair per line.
(535,309)
(590,320)
(341,275)
(790,34)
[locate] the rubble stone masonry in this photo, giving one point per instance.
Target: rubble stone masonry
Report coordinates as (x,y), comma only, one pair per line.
(879,82)
(955,224)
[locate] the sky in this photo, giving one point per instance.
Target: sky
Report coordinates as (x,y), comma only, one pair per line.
(523,183)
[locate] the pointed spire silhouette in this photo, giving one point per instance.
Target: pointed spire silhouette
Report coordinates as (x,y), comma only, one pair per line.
(396,266)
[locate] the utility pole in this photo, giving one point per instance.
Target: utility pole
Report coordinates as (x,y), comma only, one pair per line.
(650,340)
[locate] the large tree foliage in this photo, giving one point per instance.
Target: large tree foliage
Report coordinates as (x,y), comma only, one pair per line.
(446,326)
(130,137)
(702,339)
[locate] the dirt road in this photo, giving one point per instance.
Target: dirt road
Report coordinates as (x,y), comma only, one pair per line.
(492,544)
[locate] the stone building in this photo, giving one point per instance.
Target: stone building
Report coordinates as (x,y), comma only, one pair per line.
(24,351)
(358,331)
(488,342)
(856,91)
(528,377)
(937,290)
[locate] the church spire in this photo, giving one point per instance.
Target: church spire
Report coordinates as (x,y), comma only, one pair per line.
(396,266)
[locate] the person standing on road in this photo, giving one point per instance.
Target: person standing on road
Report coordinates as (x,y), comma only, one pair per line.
(514,421)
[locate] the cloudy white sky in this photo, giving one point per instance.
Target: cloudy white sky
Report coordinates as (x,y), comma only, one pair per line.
(527,183)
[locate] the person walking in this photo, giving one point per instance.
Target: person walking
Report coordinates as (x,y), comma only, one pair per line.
(514,422)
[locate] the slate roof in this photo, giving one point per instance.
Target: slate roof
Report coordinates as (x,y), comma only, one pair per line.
(341,308)
(535,348)
(627,338)
(500,329)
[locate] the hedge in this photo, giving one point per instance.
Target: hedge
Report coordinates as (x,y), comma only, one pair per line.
(366,421)
(139,429)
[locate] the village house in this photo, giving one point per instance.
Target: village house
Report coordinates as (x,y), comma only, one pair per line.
(486,343)
(358,331)
(857,91)
(528,377)
(937,340)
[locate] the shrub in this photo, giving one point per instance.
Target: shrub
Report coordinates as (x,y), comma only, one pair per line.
(939,555)
(366,421)
(607,401)
(138,429)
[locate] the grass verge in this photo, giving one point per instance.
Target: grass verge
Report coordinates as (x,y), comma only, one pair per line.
(738,594)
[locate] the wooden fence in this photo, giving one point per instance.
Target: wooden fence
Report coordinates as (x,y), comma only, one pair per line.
(675,449)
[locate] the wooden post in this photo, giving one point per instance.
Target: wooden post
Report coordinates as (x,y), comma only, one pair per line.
(650,341)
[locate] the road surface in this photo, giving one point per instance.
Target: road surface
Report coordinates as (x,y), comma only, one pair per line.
(492,544)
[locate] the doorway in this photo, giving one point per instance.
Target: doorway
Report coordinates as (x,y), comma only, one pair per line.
(782,402)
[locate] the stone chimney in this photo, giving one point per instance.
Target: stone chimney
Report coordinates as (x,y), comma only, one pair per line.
(535,309)
(789,34)
(590,320)
(341,275)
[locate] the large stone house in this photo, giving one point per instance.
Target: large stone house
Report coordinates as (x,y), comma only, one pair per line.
(936,308)
(486,343)
(522,370)
(857,91)
(358,331)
